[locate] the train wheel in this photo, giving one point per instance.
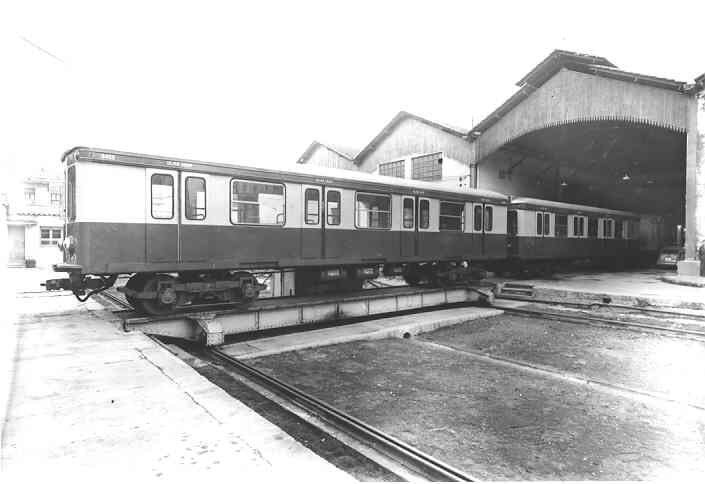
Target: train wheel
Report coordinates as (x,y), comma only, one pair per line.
(136,283)
(165,302)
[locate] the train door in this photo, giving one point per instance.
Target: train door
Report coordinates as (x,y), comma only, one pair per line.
(512,232)
(408,233)
(312,223)
(194,233)
(162,215)
(478,228)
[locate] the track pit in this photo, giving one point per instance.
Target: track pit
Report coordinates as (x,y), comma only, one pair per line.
(507,398)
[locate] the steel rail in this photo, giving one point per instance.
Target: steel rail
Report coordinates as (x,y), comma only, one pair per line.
(582,319)
(603,305)
(406,454)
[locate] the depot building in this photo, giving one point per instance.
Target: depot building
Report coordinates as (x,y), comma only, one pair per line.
(578,130)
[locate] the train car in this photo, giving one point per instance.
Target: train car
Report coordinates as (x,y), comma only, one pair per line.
(543,234)
(190,231)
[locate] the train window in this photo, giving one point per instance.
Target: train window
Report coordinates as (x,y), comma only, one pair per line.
(333,207)
(607,228)
(162,196)
(512,222)
(424,214)
(408,213)
(312,199)
(618,229)
(452,216)
(373,211)
(539,223)
(71,193)
(256,203)
(477,218)
(546,224)
(592,227)
(561,225)
(195,200)
(578,226)
(488,218)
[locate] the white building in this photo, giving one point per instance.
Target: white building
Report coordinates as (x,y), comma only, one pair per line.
(34,221)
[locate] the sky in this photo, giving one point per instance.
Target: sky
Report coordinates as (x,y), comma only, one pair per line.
(255,82)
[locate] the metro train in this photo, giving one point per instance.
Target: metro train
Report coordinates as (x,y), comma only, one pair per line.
(190,232)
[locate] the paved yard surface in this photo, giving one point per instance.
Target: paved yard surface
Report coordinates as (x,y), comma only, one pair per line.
(499,421)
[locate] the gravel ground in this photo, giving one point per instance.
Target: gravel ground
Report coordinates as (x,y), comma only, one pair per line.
(497,422)
(643,361)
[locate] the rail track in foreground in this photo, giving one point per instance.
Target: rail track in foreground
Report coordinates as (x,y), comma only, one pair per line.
(698,335)
(401,452)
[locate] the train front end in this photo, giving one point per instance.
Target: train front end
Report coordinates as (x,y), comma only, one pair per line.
(74,253)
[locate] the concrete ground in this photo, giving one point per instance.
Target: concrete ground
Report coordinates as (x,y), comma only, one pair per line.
(79,396)
(509,398)
(642,287)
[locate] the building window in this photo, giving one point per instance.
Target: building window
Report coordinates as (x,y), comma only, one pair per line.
(392,168)
(452,216)
(162,196)
(561,226)
(333,207)
(312,199)
(56,198)
(50,235)
(30,194)
(408,213)
(256,203)
(424,214)
(373,211)
(195,198)
(427,167)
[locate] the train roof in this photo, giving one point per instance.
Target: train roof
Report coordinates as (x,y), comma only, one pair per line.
(295,173)
(568,207)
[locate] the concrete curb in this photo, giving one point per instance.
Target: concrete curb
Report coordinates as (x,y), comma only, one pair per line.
(395,327)
(692,281)
(616,298)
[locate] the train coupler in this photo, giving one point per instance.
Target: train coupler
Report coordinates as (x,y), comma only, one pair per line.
(63,284)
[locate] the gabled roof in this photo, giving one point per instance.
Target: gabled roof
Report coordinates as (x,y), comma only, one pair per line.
(560,59)
(344,151)
(401,116)
(555,61)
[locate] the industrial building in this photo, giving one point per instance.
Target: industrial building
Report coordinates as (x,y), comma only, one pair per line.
(578,130)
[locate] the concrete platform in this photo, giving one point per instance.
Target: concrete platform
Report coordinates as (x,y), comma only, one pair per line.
(633,288)
(393,327)
(80,396)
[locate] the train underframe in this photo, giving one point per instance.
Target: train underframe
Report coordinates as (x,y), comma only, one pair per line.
(165,293)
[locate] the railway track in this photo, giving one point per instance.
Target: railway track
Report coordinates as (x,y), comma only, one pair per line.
(698,335)
(605,305)
(405,454)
